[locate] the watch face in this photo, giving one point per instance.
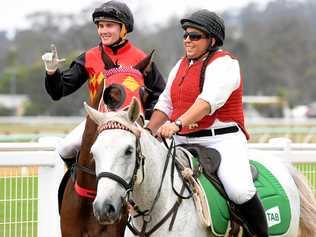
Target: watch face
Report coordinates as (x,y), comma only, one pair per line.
(178,123)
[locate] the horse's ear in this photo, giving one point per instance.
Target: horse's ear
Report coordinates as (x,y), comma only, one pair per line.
(134,110)
(95,115)
(143,65)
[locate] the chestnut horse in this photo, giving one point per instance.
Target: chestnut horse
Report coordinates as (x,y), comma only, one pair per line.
(76,208)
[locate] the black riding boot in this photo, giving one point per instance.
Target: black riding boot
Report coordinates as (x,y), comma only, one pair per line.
(254,215)
(69,161)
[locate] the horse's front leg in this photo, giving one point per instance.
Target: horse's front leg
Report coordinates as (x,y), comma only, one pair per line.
(70,225)
(70,212)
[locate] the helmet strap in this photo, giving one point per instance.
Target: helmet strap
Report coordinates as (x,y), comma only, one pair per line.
(123,32)
(209,48)
(122,39)
(201,56)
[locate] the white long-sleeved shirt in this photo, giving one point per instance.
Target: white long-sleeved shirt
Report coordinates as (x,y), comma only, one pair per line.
(222,77)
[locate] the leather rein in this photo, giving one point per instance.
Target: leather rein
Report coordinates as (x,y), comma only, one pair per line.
(128,186)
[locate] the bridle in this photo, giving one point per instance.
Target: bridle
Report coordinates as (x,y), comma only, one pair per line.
(128,186)
(139,161)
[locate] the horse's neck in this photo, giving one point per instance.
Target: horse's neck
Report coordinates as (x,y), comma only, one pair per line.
(144,194)
(85,160)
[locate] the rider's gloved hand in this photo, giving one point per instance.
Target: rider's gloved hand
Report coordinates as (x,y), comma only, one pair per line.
(51,60)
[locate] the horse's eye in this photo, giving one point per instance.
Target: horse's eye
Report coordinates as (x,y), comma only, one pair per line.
(129,151)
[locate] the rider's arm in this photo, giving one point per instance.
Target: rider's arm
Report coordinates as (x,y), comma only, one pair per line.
(163,108)
(222,78)
(63,83)
(196,112)
(157,119)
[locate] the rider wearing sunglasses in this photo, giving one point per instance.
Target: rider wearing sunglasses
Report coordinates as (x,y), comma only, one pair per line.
(203,102)
(113,20)
(194,36)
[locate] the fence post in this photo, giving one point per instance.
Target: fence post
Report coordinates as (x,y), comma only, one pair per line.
(285,144)
(48,216)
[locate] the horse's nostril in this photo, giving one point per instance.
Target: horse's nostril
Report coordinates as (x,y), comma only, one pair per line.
(108,208)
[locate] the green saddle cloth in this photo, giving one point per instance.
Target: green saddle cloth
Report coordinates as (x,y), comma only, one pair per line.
(271,193)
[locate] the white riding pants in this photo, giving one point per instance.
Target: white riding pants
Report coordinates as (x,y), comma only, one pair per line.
(69,147)
(234,170)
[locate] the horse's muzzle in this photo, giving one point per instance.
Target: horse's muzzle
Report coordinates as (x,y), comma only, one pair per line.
(107,212)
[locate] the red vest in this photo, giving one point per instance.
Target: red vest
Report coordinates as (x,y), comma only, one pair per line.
(186,88)
(128,55)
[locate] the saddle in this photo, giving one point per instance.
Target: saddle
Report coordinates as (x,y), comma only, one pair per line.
(209,160)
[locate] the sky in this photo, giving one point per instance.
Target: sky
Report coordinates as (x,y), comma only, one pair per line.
(156,11)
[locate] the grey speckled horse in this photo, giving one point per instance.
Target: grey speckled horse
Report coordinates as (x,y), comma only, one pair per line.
(129,160)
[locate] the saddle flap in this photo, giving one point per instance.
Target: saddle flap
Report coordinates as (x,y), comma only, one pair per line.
(208,158)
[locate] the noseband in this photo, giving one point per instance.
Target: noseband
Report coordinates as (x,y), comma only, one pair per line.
(139,161)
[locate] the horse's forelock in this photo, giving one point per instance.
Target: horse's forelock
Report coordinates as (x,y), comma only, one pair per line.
(121,119)
(129,70)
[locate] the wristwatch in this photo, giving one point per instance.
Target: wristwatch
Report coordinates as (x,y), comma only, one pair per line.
(178,122)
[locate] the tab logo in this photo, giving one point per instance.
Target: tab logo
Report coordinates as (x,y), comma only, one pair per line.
(273,216)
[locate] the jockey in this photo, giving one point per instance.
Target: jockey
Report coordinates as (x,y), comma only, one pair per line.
(113,21)
(203,101)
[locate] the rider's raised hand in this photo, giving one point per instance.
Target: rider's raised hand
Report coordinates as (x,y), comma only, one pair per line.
(51,60)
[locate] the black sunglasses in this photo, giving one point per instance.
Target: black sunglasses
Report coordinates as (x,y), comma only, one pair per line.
(193,36)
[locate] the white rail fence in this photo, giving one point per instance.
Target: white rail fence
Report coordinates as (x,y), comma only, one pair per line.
(30,174)
(29,178)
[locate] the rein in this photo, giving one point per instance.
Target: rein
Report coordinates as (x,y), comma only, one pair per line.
(128,186)
(140,162)
(174,209)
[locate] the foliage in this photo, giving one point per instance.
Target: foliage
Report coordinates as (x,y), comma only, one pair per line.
(6,112)
(276,47)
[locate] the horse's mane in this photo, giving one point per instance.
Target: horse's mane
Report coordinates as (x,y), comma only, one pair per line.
(149,143)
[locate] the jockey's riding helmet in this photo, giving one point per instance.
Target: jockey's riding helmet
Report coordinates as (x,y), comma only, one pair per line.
(208,22)
(114,11)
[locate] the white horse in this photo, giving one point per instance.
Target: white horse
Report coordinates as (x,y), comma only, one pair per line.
(130,163)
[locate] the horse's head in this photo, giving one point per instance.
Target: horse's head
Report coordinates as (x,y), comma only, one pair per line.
(123,83)
(117,158)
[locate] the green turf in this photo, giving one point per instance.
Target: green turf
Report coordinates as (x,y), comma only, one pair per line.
(309,171)
(18,206)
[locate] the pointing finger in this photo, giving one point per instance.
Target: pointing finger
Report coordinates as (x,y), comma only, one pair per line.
(54,50)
